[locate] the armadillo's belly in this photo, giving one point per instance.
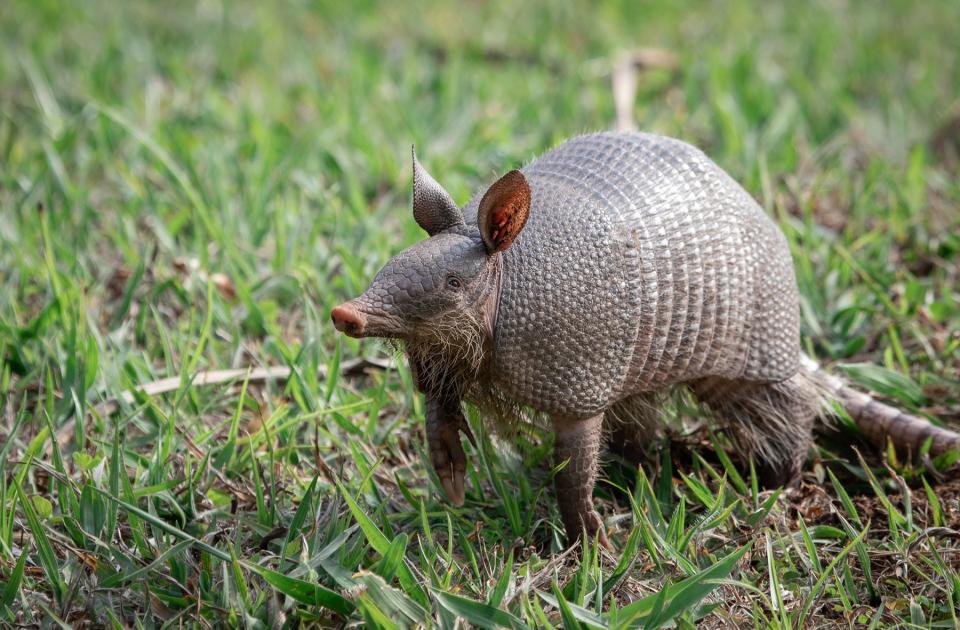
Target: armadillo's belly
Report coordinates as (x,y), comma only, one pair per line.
(642,264)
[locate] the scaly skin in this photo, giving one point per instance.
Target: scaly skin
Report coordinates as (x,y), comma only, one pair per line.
(445,421)
(578,443)
(613,268)
(880,422)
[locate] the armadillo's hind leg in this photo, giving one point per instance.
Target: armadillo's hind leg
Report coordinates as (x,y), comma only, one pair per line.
(772,422)
(578,443)
(633,425)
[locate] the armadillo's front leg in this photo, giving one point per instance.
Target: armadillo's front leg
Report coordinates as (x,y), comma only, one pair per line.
(579,442)
(445,421)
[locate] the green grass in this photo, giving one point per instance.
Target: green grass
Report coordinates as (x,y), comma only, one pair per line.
(186,187)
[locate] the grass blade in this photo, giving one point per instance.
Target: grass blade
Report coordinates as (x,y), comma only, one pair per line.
(118,579)
(13,583)
(303,591)
(478,613)
(500,590)
(381,544)
(822,580)
(48,559)
(681,596)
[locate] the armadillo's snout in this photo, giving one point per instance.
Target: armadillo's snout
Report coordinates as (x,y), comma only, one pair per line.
(348,319)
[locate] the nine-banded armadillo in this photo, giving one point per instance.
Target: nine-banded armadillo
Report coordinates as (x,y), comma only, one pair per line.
(611,269)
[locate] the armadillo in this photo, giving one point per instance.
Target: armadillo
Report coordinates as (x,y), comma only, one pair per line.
(613,269)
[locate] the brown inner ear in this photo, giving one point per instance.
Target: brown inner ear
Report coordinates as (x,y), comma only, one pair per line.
(503,211)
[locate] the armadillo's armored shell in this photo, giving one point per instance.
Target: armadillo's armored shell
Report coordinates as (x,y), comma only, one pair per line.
(642,264)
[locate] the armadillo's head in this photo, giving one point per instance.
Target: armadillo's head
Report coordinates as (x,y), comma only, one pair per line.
(450,280)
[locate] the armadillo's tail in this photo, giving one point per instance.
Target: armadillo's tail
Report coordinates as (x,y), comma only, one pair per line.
(879,421)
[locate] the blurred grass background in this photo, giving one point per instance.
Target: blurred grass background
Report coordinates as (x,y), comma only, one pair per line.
(189,186)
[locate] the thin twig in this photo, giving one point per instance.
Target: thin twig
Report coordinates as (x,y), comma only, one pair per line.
(215,377)
(624,78)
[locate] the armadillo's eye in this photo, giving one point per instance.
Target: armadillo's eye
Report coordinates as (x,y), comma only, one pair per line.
(453,282)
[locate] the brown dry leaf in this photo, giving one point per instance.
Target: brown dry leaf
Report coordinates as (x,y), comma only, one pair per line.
(184,265)
(224,285)
(653,58)
(221,281)
(160,609)
(116,283)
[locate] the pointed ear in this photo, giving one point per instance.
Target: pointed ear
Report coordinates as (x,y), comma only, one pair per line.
(433,207)
(503,211)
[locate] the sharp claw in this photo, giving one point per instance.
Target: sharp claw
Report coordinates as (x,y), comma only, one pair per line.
(448,456)
(460,495)
(451,493)
(466,431)
(605,542)
(601,532)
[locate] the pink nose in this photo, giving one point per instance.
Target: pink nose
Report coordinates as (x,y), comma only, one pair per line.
(348,319)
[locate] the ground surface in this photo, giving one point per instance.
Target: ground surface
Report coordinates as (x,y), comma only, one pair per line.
(191,186)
